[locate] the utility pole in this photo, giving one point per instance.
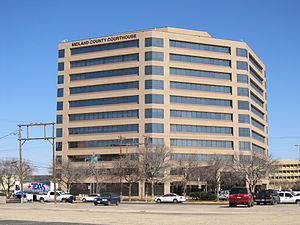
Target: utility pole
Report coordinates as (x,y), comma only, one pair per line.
(21,164)
(121,184)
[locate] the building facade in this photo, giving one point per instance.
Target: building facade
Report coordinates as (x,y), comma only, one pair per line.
(197,94)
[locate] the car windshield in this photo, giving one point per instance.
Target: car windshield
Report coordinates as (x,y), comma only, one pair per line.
(239,191)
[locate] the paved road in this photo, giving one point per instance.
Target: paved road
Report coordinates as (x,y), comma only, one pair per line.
(23,222)
(143,214)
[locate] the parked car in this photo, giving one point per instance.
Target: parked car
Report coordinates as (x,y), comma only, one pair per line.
(89,198)
(170,198)
(107,198)
(49,197)
(240,196)
(224,195)
(267,196)
(289,197)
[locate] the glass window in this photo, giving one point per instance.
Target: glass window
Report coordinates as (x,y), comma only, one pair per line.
(257,148)
(198,46)
(242,52)
(103,143)
(200,115)
(243,105)
(61,66)
(201,143)
(256,88)
(154,56)
(243,78)
(244,118)
(155,141)
(255,63)
(256,76)
(105,60)
(105,73)
(58,132)
(154,128)
(105,101)
(154,98)
(154,70)
(200,87)
(200,60)
(244,145)
(257,100)
(241,65)
(58,146)
(104,115)
(258,136)
(104,47)
(59,119)
(60,92)
(200,129)
(154,113)
(155,42)
(105,129)
(61,53)
(59,106)
(243,91)
(257,112)
(60,79)
(200,101)
(154,84)
(244,132)
(200,73)
(257,124)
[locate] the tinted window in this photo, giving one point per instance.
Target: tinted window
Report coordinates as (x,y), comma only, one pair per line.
(156,42)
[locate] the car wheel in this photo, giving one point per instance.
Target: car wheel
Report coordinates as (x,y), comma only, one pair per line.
(158,201)
(117,203)
(175,200)
(64,200)
(42,200)
(83,200)
(108,203)
(272,202)
(249,204)
(298,202)
(258,203)
(95,203)
(230,205)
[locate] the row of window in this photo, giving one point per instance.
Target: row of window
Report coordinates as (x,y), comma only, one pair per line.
(85,158)
(154,84)
(154,42)
(257,100)
(103,143)
(255,63)
(104,115)
(104,47)
(258,136)
(154,56)
(200,87)
(154,113)
(201,129)
(104,129)
(201,157)
(199,114)
(200,73)
(256,76)
(197,46)
(105,87)
(200,101)
(105,60)
(257,148)
(258,89)
(201,143)
(201,60)
(257,112)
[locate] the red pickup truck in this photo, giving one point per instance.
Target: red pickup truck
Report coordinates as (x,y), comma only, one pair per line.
(240,196)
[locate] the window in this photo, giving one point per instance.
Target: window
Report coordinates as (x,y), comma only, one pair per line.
(243,105)
(200,129)
(105,73)
(155,42)
(105,101)
(258,89)
(58,146)
(105,60)
(201,143)
(59,119)
(103,143)
(258,136)
(154,84)
(154,70)
(201,157)
(200,73)
(61,53)
(60,92)
(200,115)
(200,60)
(154,56)
(104,115)
(200,101)
(200,87)
(154,128)
(60,79)
(242,78)
(154,113)
(105,129)
(58,132)
(154,98)
(257,112)
(59,106)
(104,47)
(242,52)
(256,76)
(244,145)
(105,87)
(257,148)
(243,92)
(155,141)
(198,46)
(257,100)
(244,118)
(255,63)
(241,65)
(244,132)
(257,124)
(61,66)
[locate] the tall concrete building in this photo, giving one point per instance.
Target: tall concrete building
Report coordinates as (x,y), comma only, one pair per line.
(197,94)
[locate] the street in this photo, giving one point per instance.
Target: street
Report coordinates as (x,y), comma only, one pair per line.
(140,213)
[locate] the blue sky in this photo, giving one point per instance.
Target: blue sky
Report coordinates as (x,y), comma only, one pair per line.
(32,29)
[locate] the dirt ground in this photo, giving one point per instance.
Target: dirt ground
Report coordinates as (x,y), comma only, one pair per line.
(142,214)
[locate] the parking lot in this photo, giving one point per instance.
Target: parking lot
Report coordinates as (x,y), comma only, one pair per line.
(141,213)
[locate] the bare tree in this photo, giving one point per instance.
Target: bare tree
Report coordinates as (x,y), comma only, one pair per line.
(254,167)
(127,168)
(67,174)
(10,172)
(100,173)
(154,161)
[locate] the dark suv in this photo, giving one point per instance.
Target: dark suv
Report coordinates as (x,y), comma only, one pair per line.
(107,198)
(267,196)
(240,196)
